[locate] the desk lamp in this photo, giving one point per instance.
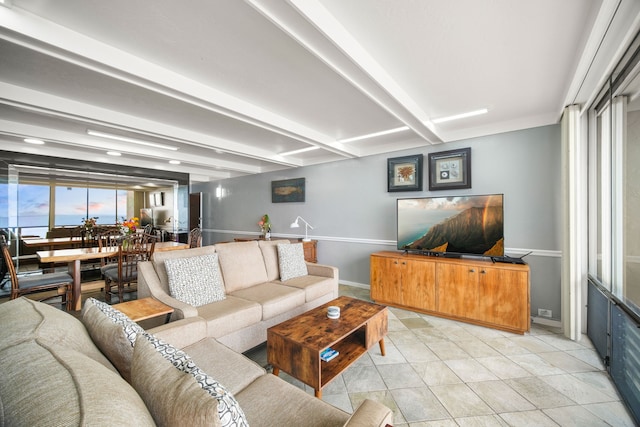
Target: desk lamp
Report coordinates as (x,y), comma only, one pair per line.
(306,228)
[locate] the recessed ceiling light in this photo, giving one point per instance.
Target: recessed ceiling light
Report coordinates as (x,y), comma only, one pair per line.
(34,141)
(460,116)
(114,153)
(174,162)
(302,150)
(132,140)
(373,135)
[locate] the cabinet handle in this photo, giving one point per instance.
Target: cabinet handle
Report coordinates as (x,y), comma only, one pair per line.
(395,262)
(473,270)
(404,263)
(483,272)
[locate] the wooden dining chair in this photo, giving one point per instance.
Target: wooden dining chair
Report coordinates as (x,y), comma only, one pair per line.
(37,283)
(132,249)
(109,240)
(195,238)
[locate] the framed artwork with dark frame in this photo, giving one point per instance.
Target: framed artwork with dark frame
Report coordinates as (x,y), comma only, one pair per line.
(288,190)
(450,170)
(405,173)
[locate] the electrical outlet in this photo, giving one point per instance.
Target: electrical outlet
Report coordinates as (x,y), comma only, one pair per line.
(543,312)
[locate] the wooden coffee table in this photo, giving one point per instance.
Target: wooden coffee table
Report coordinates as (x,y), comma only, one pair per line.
(294,346)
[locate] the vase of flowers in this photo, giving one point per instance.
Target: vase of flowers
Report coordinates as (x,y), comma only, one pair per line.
(88,225)
(265,227)
(129,226)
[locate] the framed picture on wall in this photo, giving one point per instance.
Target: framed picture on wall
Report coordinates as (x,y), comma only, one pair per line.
(288,190)
(404,173)
(450,170)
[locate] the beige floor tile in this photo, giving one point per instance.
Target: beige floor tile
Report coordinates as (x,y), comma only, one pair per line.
(538,392)
(470,370)
(419,404)
(447,350)
(577,390)
(503,367)
(436,373)
(574,416)
(461,401)
(535,418)
(500,397)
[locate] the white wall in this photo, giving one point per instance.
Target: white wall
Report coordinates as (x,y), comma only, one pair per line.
(353,214)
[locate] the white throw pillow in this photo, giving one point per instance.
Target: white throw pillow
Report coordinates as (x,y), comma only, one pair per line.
(291,261)
(195,280)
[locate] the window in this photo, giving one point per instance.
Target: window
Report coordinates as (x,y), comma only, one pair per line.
(33,205)
(614,183)
(70,206)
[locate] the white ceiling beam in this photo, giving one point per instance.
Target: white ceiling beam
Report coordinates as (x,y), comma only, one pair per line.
(58,138)
(28,30)
(70,152)
(92,115)
(314,28)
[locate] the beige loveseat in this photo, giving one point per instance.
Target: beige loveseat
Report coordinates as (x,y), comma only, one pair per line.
(256,297)
(106,371)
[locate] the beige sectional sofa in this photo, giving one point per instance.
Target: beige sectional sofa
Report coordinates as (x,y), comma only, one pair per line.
(256,297)
(106,371)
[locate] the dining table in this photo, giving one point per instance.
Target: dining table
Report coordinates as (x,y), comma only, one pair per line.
(74,256)
(38,242)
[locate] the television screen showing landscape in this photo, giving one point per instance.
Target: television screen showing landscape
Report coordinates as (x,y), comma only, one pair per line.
(462,225)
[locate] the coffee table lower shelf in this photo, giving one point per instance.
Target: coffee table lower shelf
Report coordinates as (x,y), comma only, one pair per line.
(294,346)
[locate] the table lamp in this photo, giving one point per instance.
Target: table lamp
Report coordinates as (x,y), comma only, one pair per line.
(306,228)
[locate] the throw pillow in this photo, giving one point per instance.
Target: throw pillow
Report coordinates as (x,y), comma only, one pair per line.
(195,280)
(113,332)
(291,261)
(176,391)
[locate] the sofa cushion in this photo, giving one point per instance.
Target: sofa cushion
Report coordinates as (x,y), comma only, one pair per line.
(159,257)
(313,286)
(177,391)
(270,254)
(300,409)
(47,378)
(274,298)
(231,368)
(195,280)
(291,261)
(113,332)
(242,265)
(229,315)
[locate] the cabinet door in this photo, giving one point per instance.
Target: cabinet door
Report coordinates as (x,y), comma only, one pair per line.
(419,284)
(504,297)
(457,292)
(309,249)
(386,283)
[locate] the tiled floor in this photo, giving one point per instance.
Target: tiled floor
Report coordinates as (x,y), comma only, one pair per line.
(443,373)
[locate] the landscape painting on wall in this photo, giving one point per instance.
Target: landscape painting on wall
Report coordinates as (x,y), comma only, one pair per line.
(288,190)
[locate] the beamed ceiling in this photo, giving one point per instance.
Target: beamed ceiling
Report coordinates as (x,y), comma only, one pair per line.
(234,85)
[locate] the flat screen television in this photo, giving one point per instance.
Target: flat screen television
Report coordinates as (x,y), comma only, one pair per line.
(455,225)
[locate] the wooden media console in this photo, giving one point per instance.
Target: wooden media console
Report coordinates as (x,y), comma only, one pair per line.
(476,291)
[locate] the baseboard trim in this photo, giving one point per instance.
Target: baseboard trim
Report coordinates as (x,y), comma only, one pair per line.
(354,284)
(546,322)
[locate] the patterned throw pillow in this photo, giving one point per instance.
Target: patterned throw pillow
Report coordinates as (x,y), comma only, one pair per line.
(183,396)
(195,280)
(291,261)
(113,332)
